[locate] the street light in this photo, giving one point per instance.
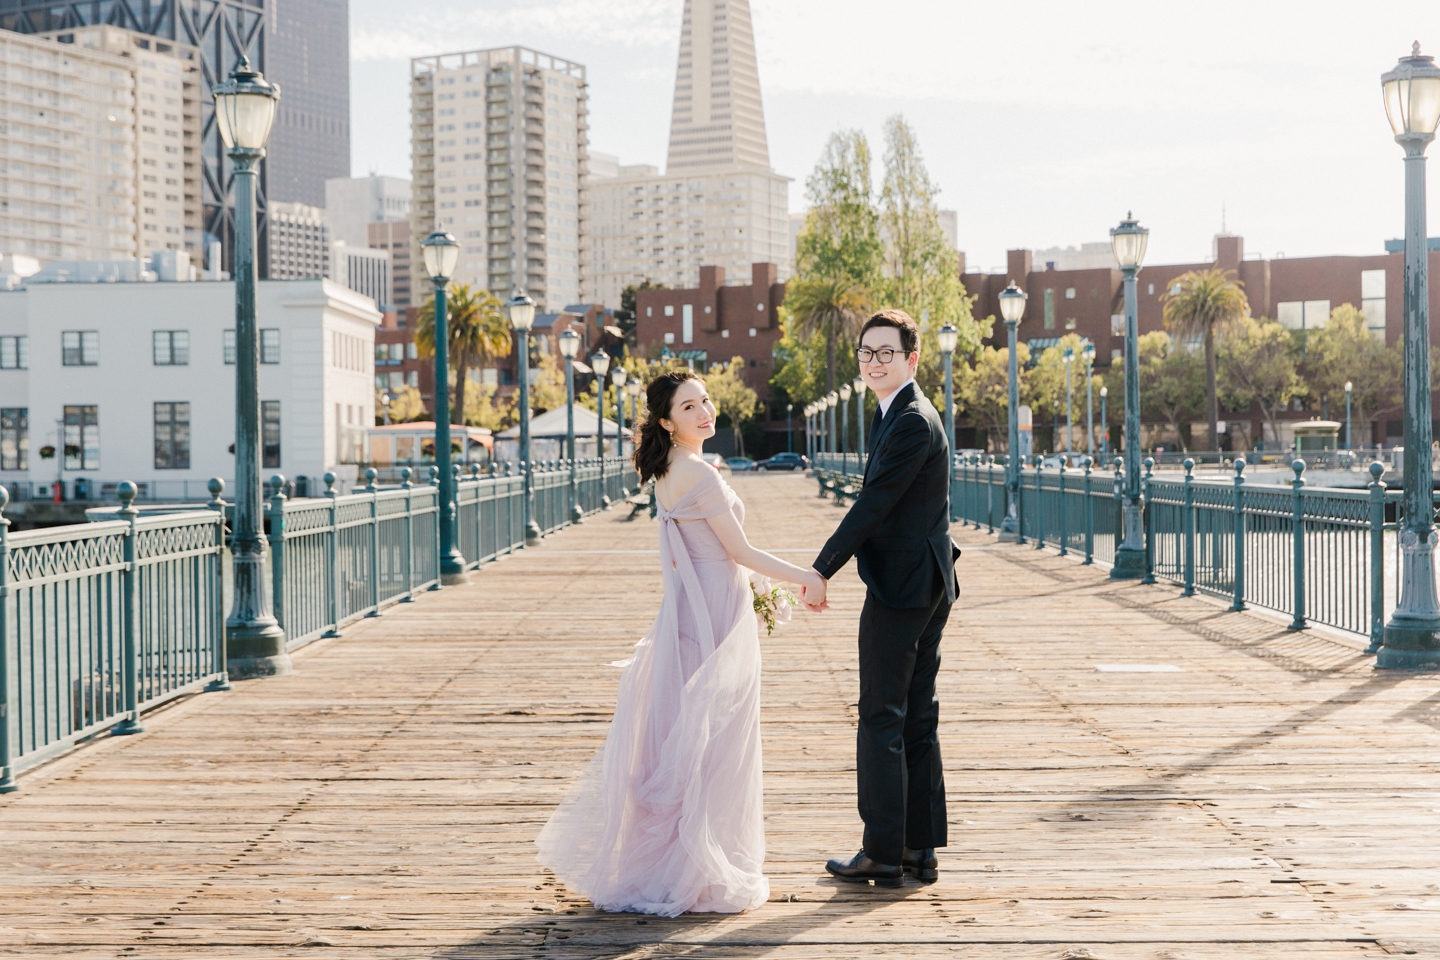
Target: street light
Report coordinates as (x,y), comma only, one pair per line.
(1128,241)
(522,317)
(617,377)
(810,430)
(1348,387)
(440,251)
(244,112)
(1012,308)
(949,336)
(633,388)
(845,391)
(1088,355)
(600,363)
(1412,103)
(569,343)
(831,399)
(1104,427)
(859,384)
(1069,358)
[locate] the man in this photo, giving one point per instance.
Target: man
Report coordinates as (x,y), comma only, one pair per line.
(898,530)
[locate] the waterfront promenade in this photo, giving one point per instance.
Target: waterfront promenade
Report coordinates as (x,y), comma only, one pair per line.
(1131,775)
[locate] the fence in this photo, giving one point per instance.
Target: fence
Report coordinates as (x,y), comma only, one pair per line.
(1318,554)
(102,621)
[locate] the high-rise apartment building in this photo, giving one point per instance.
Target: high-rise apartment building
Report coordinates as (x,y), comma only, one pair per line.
(718,202)
(298,242)
(394,236)
(353,203)
(499,159)
(301,44)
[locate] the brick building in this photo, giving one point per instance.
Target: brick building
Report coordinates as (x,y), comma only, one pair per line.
(1298,292)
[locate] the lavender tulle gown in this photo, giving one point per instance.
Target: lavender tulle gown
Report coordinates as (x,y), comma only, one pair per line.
(667,816)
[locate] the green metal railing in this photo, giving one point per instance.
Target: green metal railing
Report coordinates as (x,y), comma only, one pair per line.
(1318,554)
(102,621)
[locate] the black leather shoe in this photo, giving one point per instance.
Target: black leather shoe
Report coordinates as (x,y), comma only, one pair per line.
(861,869)
(921,864)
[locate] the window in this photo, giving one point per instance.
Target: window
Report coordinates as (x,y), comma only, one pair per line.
(171,348)
(82,437)
(270,433)
(14,353)
(1303,314)
(270,350)
(1372,302)
(14,438)
(172,436)
(80,348)
(1049,309)
(687,323)
(1117,324)
(229,339)
(1069,293)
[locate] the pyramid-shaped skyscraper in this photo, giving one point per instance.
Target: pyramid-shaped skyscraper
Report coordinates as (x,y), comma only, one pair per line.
(717,120)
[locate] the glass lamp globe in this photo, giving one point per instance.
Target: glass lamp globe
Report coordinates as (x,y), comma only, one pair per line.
(522,311)
(832,398)
(440,250)
(569,342)
(617,376)
(859,384)
(844,392)
(1348,386)
(1088,353)
(1068,356)
(1012,303)
(1128,241)
(600,363)
(245,107)
(1412,95)
(1104,391)
(948,336)
(633,387)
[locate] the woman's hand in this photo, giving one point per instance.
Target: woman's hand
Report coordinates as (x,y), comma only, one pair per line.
(813,587)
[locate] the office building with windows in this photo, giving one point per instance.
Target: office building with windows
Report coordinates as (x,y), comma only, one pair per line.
(499,143)
(363,270)
(394,236)
(133,384)
(298,241)
(718,201)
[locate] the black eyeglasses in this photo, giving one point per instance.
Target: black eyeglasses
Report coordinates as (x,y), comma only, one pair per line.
(884,354)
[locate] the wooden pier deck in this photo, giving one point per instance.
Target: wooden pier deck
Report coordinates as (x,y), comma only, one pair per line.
(1131,775)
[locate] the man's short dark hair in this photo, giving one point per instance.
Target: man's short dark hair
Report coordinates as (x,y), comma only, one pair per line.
(898,320)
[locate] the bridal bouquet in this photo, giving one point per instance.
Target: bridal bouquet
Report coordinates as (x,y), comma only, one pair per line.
(772,604)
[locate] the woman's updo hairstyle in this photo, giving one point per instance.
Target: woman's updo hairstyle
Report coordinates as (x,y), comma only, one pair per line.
(652,453)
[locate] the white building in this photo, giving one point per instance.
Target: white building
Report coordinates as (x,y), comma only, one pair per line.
(353,203)
(364,270)
(718,203)
(499,158)
(299,242)
(135,381)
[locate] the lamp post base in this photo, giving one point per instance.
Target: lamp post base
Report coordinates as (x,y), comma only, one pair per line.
(1129,564)
(533,534)
(576,514)
(1410,644)
(256,649)
(455,579)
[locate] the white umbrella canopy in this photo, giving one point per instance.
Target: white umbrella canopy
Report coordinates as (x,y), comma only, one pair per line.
(551,425)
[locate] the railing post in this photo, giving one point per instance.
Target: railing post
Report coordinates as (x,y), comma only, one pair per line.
(1189,526)
(1149,518)
(277,548)
(216,486)
(439,519)
(1064,514)
(990,494)
(405,474)
(332,551)
(7,740)
(1297,487)
(479,525)
(370,477)
(1089,502)
(130,618)
(1039,504)
(1239,561)
(976,460)
(1377,557)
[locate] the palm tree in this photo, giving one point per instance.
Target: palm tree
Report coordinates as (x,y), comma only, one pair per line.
(478,331)
(832,307)
(1206,304)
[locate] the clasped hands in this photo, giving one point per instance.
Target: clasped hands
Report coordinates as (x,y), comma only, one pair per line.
(812,592)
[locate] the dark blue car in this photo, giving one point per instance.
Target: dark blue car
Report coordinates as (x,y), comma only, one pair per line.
(783,461)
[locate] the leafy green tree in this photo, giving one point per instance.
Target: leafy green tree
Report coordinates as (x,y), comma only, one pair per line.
(1345,350)
(1260,364)
(625,316)
(831,309)
(982,390)
(1204,305)
(478,332)
(841,237)
(1172,382)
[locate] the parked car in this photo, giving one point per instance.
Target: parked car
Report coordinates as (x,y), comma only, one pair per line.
(783,461)
(738,464)
(715,460)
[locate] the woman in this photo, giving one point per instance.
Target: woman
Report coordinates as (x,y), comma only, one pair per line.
(667,818)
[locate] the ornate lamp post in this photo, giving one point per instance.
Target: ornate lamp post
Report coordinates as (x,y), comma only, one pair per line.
(1128,241)
(831,400)
(633,388)
(522,316)
(1088,355)
(1412,103)
(810,431)
(789,432)
(845,391)
(859,384)
(1012,308)
(617,377)
(1348,387)
(1069,358)
(244,112)
(1104,427)
(569,343)
(949,336)
(440,251)
(600,363)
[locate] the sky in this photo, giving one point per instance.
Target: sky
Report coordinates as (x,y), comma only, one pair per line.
(1041,128)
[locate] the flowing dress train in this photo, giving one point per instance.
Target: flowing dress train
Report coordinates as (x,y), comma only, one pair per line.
(667,816)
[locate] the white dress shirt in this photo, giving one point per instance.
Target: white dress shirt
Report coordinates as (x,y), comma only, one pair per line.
(885,404)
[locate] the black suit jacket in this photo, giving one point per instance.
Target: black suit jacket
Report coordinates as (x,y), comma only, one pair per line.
(898,529)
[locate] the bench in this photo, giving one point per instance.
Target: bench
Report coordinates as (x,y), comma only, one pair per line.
(638,502)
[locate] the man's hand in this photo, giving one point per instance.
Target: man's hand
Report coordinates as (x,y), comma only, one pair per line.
(814,593)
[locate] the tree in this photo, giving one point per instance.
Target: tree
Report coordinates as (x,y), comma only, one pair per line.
(982,390)
(625,316)
(841,237)
(1345,350)
(726,385)
(406,405)
(1172,382)
(830,309)
(484,409)
(477,330)
(1205,304)
(1260,362)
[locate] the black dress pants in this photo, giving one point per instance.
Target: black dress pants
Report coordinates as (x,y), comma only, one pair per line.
(901,781)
